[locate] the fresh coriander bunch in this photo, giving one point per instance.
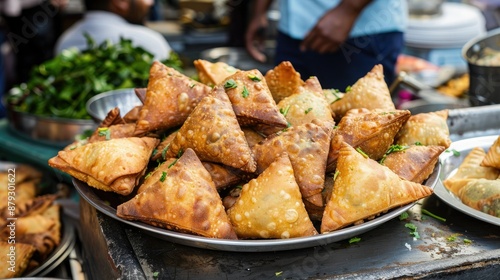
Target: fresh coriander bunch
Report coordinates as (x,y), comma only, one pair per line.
(60,87)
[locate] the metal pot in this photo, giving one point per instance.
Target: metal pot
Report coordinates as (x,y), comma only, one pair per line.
(484,88)
(425,7)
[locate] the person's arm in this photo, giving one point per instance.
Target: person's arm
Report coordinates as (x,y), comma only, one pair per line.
(333,28)
(254,35)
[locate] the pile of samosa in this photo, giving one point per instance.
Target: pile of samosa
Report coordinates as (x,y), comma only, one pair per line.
(242,155)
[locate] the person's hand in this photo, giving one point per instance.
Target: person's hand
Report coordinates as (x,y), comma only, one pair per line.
(331,30)
(59,3)
(254,37)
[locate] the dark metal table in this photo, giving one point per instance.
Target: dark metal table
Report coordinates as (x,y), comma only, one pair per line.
(460,248)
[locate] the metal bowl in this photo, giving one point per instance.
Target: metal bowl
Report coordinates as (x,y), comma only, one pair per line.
(99,105)
(240,58)
(51,131)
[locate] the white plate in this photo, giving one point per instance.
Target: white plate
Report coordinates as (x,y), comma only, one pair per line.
(106,202)
(449,165)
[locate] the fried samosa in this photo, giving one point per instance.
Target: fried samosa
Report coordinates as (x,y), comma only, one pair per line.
(161,150)
(271,206)
(372,131)
(304,107)
(251,99)
(470,168)
(185,201)
(213,73)
(482,195)
(492,158)
(370,92)
(413,163)
(170,98)
(115,165)
(363,189)
(307,146)
(112,132)
(22,254)
(427,129)
(283,81)
(213,132)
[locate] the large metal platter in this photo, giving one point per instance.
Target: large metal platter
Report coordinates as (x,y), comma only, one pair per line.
(106,203)
(449,165)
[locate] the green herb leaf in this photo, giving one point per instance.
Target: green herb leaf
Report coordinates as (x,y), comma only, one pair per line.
(308,110)
(104,131)
(337,172)
(362,153)
(426,212)
(284,111)
(354,240)
(174,162)
(163,176)
(279,273)
(254,78)
(156,274)
(404,216)
(348,89)
(467,241)
(230,84)
(245,92)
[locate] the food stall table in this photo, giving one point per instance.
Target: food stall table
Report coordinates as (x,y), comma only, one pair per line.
(462,247)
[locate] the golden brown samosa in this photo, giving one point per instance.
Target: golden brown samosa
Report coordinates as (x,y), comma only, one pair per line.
(213,73)
(470,168)
(372,131)
(413,163)
(492,158)
(307,146)
(213,132)
(427,129)
(170,98)
(304,107)
(251,99)
(370,92)
(363,189)
(271,206)
(482,195)
(185,200)
(115,165)
(283,81)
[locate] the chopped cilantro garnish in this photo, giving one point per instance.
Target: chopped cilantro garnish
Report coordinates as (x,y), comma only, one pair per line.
(254,78)
(245,92)
(164,151)
(163,176)
(156,274)
(452,237)
(230,84)
(404,216)
(278,273)
(308,110)
(336,174)
(354,240)
(284,111)
(191,85)
(392,149)
(172,164)
(179,154)
(361,152)
(426,212)
(147,175)
(468,241)
(418,144)
(348,89)
(104,131)
(413,230)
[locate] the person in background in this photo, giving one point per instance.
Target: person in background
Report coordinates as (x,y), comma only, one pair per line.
(112,20)
(338,41)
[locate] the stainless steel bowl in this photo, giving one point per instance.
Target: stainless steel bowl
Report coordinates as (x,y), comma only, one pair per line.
(240,58)
(47,130)
(99,105)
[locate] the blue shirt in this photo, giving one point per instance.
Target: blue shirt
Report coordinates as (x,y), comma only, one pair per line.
(298,17)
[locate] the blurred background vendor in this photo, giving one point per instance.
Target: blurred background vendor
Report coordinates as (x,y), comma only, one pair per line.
(337,41)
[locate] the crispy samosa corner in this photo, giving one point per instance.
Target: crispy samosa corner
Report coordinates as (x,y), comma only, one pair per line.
(115,165)
(184,200)
(363,189)
(271,206)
